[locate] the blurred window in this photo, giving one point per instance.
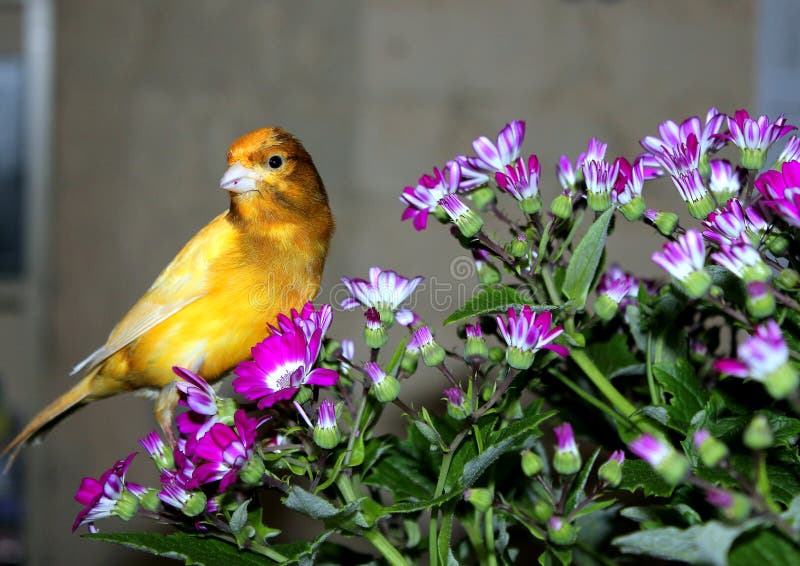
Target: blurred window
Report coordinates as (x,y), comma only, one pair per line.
(10,166)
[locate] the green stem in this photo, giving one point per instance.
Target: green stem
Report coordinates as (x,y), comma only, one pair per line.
(550,285)
(443,471)
(373,535)
(589,398)
(488,533)
(356,424)
(472,528)
(651,380)
(618,401)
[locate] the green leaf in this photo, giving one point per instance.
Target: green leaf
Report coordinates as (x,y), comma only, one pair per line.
(239,517)
(792,514)
(493,300)
(190,548)
(576,493)
(584,261)
(687,397)
(612,356)
(784,482)
(397,357)
(702,544)
(403,476)
(637,474)
(764,547)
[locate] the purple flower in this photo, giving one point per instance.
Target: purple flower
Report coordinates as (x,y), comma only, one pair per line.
(461,215)
(726,225)
(526,333)
(743,260)
(720,498)
(203,403)
(385,291)
(781,191)
(158,451)
(565,439)
(225,450)
(630,181)
(673,135)
(791,151)
(521,179)
(650,449)
(490,158)
(600,178)
(684,260)
(680,159)
(725,181)
(755,137)
(109,495)
(348,349)
(424,197)
(281,364)
(407,317)
(700,436)
(620,286)
(454,396)
(762,354)
(308,320)
(326,414)
(568,175)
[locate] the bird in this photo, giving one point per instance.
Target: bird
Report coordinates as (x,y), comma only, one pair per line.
(262,256)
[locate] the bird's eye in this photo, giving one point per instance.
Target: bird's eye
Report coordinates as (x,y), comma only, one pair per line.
(275,161)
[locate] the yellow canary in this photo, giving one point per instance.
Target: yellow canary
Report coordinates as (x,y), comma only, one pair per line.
(261,257)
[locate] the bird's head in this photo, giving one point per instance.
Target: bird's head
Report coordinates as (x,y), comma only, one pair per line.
(271,176)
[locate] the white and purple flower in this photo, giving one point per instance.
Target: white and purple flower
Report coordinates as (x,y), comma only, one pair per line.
(743,260)
(225,451)
(478,170)
(467,222)
(110,495)
(385,291)
(781,191)
(526,333)
(661,456)
(685,259)
(423,198)
(754,137)
(567,458)
(725,181)
(521,180)
(673,135)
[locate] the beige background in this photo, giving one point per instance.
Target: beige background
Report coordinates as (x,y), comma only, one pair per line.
(150,93)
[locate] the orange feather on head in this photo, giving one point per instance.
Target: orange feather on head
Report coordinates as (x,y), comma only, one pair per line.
(261,257)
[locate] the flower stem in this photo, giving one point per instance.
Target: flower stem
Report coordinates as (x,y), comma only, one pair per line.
(618,401)
(443,471)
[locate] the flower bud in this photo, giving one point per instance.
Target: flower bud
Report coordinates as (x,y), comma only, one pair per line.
(671,465)
(461,215)
(150,501)
(710,449)
(374,331)
(530,205)
(326,431)
(760,302)
(195,504)
(475,350)
(480,497)
(531,463)
(496,354)
(777,243)
(789,278)
(126,506)
(611,471)
(422,341)
(482,197)
(665,222)
(733,505)
(409,362)
(458,405)
(542,510)
(782,381)
(561,207)
(158,451)
(519,246)
(487,273)
(253,471)
(633,210)
(758,434)
(605,307)
(561,532)
(567,459)
(385,388)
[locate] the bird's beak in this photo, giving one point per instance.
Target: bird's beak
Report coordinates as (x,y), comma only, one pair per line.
(238,179)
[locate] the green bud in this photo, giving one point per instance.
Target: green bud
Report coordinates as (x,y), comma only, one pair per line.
(496,354)
(703,207)
(788,278)
(777,243)
(758,434)
(530,205)
(673,468)
(566,463)
(150,501)
(519,359)
(739,510)
(531,463)
(760,306)
(598,202)
(633,210)
(327,438)
(542,510)
(482,197)
(195,505)
(126,506)
(611,472)
(480,498)
(409,362)
(712,451)
(666,222)
(468,223)
(696,283)
(561,532)
(518,248)
(605,307)
(753,159)
(386,390)
(433,354)
(253,471)
(476,350)
(781,382)
(375,337)
(561,206)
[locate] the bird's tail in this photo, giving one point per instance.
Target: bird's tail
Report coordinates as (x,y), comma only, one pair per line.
(49,416)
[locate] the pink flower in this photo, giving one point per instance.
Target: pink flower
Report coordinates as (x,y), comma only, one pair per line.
(491,157)
(106,496)
(225,450)
(781,191)
(425,196)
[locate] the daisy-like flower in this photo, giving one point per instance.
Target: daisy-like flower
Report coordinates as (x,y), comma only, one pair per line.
(226,451)
(727,225)
(110,495)
(684,259)
(600,178)
(764,356)
(308,320)
(467,222)
(754,137)
(711,450)
(521,180)
(615,289)
(725,181)
(385,387)
(478,170)
(695,194)
(458,405)
(567,459)
(661,456)
(422,342)
(743,260)
(281,364)
(672,134)
(679,159)
(526,333)
(568,176)
(423,198)
(627,192)
(385,291)
(407,317)
(158,451)
(781,191)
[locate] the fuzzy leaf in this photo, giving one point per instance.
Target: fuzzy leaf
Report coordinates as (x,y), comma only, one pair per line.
(403,477)
(577,493)
(637,474)
(494,300)
(702,544)
(612,356)
(687,397)
(764,547)
(584,261)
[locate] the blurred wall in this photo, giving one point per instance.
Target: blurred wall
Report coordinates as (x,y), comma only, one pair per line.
(150,94)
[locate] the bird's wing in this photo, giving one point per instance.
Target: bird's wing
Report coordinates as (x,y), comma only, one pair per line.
(181,283)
